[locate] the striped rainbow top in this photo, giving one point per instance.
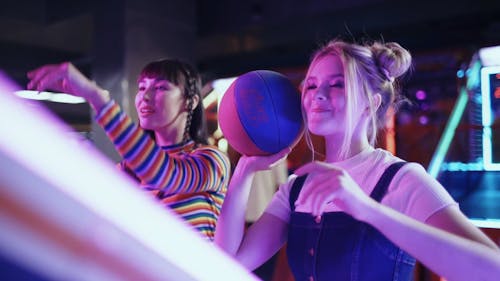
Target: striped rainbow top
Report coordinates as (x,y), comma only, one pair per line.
(193,180)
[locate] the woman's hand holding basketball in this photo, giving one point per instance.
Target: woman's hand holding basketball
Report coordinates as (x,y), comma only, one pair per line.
(246,168)
(328,184)
(65,77)
(259,163)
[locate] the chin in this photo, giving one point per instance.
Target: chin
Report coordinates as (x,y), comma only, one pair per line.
(316,131)
(322,130)
(146,126)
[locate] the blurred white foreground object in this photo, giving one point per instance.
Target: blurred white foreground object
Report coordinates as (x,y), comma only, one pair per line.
(66,213)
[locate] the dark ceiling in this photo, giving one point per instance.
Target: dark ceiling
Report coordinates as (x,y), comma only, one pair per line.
(235,36)
(284,32)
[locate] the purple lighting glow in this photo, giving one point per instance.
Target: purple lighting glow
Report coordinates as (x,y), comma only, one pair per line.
(420,95)
(424,120)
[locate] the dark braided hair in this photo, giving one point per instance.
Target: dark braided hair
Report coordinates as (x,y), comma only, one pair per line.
(187,78)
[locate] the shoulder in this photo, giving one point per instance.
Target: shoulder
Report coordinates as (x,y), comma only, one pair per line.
(384,157)
(415,173)
(377,159)
(213,154)
(367,167)
(416,193)
(280,204)
(209,150)
(381,159)
(410,174)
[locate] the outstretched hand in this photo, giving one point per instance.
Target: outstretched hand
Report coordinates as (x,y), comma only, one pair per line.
(327,184)
(65,77)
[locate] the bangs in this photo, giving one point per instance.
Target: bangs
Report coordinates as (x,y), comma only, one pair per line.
(160,69)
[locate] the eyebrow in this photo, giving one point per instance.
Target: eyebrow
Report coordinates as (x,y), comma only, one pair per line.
(156,80)
(336,75)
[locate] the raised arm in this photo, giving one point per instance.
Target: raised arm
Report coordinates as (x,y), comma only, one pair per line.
(65,77)
(207,169)
(266,235)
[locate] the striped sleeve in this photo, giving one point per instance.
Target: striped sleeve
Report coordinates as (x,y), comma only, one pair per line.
(205,166)
(205,169)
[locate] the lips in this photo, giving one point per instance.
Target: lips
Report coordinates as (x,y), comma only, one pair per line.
(319,110)
(146,110)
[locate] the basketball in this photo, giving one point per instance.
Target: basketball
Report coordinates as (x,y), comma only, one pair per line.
(260,113)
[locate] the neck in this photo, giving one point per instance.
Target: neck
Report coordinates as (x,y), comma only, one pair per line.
(164,138)
(357,143)
(333,149)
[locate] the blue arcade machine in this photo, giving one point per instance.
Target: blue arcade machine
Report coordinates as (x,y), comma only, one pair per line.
(467,158)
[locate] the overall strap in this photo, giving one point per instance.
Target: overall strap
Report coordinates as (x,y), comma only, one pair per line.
(295,190)
(377,193)
(384,181)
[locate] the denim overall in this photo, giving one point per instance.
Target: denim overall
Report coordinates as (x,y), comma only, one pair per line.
(336,246)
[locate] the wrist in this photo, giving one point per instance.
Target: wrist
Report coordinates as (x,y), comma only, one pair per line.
(366,212)
(99,99)
(247,165)
(243,170)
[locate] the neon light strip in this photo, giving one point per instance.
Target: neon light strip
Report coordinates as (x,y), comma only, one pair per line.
(462,167)
(490,55)
(54,97)
(486,223)
(487,118)
(449,132)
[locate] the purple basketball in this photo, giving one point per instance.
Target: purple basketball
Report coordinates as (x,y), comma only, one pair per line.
(260,113)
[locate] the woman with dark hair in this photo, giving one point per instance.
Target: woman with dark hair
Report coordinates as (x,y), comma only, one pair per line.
(184,75)
(168,152)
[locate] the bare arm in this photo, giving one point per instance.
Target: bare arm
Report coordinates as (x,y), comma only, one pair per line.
(447,243)
(469,257)
(266,235)
(65,77)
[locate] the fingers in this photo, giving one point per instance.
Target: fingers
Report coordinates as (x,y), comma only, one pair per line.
(33,74)
(38,74)
(316,198)
(318,203)
(320,188)
(310,188)
(47,77)
(331,185)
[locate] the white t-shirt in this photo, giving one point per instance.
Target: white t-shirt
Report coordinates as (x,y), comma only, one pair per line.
(412,191)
